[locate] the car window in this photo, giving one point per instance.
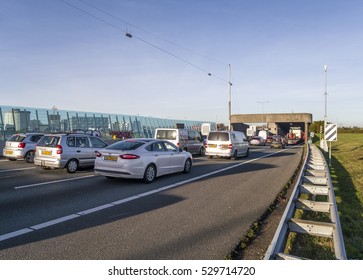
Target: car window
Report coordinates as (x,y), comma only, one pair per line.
(82,142)
(158,147)
(166,134)
(218,136)
(70,141)
(126,145)
(48,141)
(191,135)
(170,147)
(16,138)
(35,138)
(97,143)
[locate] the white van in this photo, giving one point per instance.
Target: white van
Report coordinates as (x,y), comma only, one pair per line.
(186,139)
(229,144)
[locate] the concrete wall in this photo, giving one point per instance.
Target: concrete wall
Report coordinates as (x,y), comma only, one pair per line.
(272,118)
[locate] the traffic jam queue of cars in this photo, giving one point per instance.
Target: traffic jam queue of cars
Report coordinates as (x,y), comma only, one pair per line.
(170,151)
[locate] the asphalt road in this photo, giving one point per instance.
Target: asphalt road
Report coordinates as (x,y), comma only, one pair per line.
(50,214)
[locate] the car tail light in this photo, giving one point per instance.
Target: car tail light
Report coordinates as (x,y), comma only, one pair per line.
(59,149)
(21,145)
(129,156)
(98,154)
(230,146)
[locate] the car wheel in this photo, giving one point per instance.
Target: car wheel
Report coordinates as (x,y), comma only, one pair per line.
(187,166)
(12,159)
(202,151)
(72,165)
(29,157)
(247,152)
(150,174)
(235,156)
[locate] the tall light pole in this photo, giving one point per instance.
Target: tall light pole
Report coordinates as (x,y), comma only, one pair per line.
(262,103)
(326,94)
(325,146)
(229,97)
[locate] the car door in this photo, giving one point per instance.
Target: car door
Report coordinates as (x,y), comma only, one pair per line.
(176,157)
(161,158)
(84,152)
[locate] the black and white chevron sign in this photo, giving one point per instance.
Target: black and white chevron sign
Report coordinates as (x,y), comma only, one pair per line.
(331,132)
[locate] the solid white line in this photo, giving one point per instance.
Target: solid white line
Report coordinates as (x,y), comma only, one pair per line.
(118,202)
(15,233)
(53,182)
(17,169)
(54,222)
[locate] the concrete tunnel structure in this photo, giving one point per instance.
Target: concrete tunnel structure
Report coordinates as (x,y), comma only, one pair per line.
(279,123)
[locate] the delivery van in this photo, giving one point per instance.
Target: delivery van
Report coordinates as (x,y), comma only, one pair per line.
(186,139)
(228,144)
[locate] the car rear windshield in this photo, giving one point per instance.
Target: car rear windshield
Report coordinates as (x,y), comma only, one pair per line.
(218,136)
(166,134)
(17,138)
(125,145)
(49,141)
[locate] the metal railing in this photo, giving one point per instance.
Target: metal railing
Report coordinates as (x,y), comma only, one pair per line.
(311,210)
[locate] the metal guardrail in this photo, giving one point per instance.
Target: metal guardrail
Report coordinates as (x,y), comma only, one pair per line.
(314,180)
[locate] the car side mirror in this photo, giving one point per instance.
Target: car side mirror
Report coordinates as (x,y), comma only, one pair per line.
(180,150)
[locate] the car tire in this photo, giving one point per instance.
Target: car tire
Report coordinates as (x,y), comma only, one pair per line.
(150,173)
(202,151)
(72,165)
(247,152)
(235,155)
(29,156)
(12,159)
(187,166)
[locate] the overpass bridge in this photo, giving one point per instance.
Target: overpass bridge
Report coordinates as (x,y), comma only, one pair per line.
(279,123)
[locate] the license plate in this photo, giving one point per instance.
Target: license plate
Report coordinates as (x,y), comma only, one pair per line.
(224,146)
(47,153)
(212,145)
(8,152)
(112,158)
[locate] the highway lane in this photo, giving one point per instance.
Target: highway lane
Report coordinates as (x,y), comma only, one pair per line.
(96,218)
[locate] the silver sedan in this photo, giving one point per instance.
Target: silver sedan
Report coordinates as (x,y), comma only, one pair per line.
(142,159)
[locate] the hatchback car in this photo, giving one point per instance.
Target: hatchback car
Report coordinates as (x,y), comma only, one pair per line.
(69,151)
(278,142)
(21,146)
(257,141)
(142,159)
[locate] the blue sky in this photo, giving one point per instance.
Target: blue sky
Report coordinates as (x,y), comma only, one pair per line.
(52,53)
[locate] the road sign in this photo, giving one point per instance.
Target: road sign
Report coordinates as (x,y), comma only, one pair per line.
(331,132)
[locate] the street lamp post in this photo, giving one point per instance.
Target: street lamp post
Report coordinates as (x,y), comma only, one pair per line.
(325,146)
(229,97)
(262,103)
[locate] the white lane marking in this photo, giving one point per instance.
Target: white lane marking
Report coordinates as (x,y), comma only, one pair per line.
(15,233)
(118,202)
(17,169)
(54,222)
(52,182)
